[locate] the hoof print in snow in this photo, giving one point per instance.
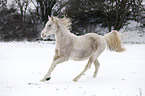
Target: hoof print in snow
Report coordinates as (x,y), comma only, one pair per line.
(29,83)
(47,79)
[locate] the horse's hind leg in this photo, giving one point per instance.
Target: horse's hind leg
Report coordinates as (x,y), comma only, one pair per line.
(97,65)
(85,69)
(92,60)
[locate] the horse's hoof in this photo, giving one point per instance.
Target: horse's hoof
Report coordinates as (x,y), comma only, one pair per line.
(75,80)
(42,80)
(47,79)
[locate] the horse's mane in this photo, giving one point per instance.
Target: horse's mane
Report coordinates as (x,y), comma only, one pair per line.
(65,21)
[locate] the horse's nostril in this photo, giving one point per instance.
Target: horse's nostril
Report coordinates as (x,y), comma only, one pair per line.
(42,35)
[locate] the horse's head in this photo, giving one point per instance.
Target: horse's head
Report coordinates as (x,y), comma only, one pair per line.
(50,28)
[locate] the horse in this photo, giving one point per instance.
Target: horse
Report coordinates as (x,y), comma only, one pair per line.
(69,46)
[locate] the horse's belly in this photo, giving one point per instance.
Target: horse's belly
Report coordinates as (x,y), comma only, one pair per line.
(80,55)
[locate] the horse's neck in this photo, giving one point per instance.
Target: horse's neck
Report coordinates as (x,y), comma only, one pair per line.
(63,34)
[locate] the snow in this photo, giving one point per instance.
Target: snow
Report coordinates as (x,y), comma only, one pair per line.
(23,65)
(133,33)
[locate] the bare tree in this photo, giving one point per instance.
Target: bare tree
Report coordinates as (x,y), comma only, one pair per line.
(45,8)
(22,5)
(118,12)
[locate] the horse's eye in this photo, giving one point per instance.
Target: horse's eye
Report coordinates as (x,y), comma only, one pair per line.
(49,25)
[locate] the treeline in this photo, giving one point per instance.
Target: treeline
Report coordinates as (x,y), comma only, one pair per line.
(18,21)
(110,14)
(24,19)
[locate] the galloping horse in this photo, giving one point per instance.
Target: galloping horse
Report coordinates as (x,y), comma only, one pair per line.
(70,46)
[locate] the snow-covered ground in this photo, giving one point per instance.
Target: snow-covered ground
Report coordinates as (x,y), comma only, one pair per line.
(23,64)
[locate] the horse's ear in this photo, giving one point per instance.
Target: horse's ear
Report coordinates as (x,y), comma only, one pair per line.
(49,17)
(52,18)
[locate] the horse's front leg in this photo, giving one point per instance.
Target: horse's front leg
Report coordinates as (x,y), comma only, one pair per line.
(53,65)
(47,76)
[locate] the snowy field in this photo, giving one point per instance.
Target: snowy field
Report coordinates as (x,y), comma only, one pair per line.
(23,64)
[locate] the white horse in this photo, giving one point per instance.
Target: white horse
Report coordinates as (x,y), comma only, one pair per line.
(70,46)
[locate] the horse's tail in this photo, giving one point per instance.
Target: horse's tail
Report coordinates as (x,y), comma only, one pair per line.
(114,43)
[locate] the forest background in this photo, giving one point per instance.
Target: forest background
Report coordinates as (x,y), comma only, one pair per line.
(24,19)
